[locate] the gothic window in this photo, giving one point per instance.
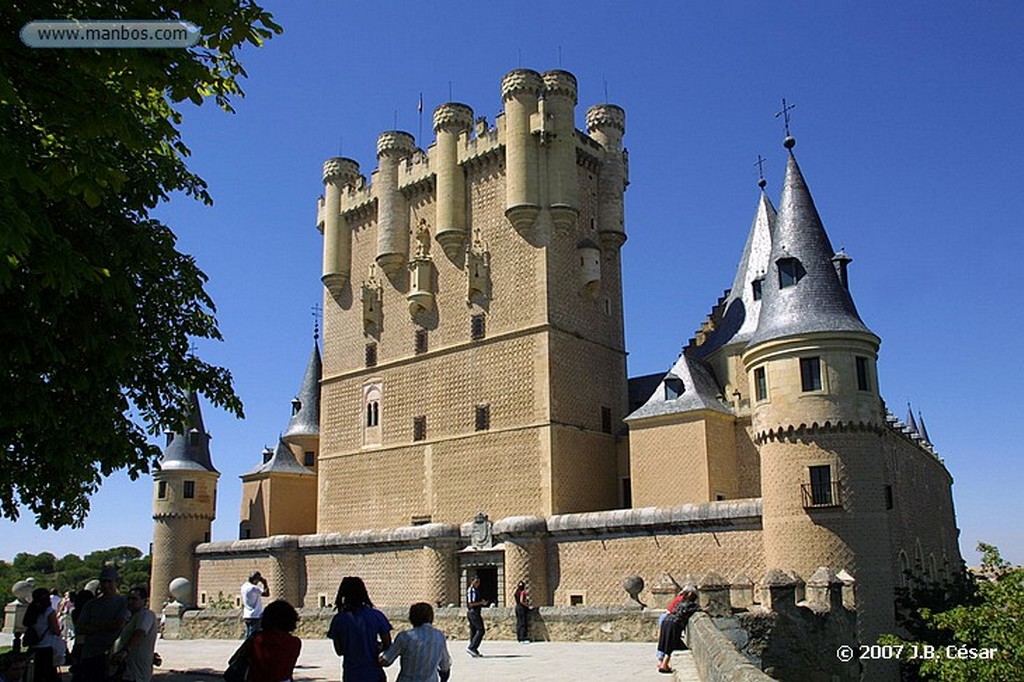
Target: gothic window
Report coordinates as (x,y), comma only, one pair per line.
(760,384)
(373,413)
(188,490)
(810,374)
(790,272)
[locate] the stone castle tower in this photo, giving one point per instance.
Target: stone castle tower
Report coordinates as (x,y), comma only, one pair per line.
(184,503)
(473,350)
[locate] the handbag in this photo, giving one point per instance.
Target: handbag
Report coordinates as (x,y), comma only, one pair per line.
(238,664)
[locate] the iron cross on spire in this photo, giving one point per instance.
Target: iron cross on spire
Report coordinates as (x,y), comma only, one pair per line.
(761,182)
(316,311)
(789,142)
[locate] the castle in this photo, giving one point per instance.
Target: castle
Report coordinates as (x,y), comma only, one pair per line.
(474,361)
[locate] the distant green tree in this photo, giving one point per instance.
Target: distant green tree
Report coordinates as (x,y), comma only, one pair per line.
(98,309)
(35,564)
(981,640)
(71,572)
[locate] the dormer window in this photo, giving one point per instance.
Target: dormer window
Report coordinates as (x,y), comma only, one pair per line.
(674,387)
(756,288)
(790,272)
(296,406)
(193,437)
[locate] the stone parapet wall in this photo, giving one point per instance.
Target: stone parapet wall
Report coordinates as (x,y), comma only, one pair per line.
(568,624)
(715,655)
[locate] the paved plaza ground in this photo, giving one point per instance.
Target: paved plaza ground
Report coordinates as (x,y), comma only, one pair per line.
(203,661)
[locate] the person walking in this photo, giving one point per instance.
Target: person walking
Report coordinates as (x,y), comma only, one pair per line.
(253,590)
(133,650)
(43,636)
(476,620)
(275,650)
(423,650)
(522,597)
(100,622)
(360,633)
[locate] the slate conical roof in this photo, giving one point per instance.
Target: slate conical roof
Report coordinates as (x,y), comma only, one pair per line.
(739,321)
(818,302)
(305,421)
(189,447)
(282,462)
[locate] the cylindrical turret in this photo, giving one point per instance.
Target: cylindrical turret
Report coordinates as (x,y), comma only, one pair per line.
(338,173)
(392,212)
(520,90)
(590,266)
(450,121)
(606,123)
(560,125)
(184,506)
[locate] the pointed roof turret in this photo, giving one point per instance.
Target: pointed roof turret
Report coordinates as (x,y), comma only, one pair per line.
(911,423)
(188,448)
(743,304)
(802,292)
(689,386)
(921,428)
(305,420)
(281,462)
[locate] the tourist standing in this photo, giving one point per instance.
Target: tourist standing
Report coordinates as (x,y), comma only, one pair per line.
(44,636)
(133,650)
(253,591)
(522,597)
(100,621)
(476,621)
(360,633)
(423,650)
(275,650)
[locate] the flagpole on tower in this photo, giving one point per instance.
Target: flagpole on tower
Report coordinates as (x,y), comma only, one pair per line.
(419,108)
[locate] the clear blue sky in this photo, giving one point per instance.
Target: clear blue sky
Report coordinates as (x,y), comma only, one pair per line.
(910,125)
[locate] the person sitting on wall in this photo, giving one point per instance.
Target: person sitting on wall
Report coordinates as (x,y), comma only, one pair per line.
(670,636)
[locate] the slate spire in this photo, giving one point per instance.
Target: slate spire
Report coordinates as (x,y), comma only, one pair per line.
(305,419)
(743,304)
(802,292)
(188,447)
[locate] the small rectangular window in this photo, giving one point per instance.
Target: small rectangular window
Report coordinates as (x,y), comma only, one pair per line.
(822,489)
(161,490)
(760,384)
(477,327)
(756,287)
(575,600)
(309,458)
(888,497)
(371,355)
(421,341)
(606,419)
(863,384)
(627,492)
(483,417)
(810,374)
(188,490)
(419,428)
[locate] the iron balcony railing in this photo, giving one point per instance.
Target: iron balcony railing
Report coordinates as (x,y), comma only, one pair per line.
(817,495)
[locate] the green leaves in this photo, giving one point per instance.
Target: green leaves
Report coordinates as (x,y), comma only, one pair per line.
(98,309)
